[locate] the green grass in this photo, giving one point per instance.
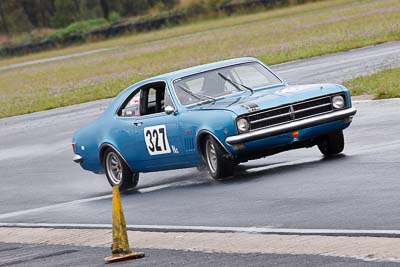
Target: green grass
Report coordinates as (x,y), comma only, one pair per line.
(383,84)
(275,36)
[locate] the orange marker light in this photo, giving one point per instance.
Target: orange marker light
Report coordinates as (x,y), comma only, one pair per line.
(295,134)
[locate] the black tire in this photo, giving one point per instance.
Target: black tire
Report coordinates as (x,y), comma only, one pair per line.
(218,162)
(331,144)
(118,172)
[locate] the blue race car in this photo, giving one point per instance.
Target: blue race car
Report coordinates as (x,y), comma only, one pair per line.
(218,114)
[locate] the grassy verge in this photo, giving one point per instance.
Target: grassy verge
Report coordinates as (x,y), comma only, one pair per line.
(274,36)
(383,84)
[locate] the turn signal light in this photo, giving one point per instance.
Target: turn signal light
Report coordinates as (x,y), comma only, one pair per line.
(296,134)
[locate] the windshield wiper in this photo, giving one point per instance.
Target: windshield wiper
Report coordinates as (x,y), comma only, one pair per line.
(198,96)
(234,83)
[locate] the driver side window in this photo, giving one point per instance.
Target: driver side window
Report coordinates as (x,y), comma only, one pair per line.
(149,99)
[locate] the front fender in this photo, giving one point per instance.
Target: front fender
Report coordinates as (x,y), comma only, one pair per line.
(200,138)
(220,125)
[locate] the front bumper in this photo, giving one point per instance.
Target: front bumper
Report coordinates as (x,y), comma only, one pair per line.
(77,158)
(291,126)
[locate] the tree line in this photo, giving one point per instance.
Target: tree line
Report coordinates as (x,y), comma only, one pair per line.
(18,16)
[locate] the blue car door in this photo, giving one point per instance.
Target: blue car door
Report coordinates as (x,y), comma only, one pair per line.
(157,137)
(158,143)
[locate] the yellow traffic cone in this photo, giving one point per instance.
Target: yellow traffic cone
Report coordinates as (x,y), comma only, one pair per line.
(120,247)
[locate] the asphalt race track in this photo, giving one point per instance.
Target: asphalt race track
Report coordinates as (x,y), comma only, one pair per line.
(296,189)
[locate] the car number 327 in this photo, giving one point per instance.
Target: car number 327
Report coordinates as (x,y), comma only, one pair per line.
(156,140)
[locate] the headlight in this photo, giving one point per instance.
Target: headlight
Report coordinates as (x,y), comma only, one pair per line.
(338,101)
(243,125)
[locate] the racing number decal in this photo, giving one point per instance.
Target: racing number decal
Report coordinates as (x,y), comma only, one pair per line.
(156,140)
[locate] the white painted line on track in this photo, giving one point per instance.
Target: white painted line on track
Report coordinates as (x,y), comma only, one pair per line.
(176,184)
(215,229)
(55,206)
(375,147)
(284,164)
(142,190)
(85,200)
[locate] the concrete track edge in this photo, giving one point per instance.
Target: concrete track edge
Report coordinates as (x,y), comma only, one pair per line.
(216,229)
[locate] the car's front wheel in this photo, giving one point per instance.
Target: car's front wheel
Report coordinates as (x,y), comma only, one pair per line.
(118,172)
(331,144)
(218,162)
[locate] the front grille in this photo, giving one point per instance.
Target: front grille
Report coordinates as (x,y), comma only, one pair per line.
(288,113)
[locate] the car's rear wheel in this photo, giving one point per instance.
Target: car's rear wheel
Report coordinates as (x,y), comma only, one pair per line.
(331,144)
(118,172)
(218,162)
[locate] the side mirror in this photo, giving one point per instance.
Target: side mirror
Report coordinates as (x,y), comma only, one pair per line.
(169,110)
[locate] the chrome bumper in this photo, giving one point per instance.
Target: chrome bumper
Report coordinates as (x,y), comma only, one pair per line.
(77,158)
(291,126)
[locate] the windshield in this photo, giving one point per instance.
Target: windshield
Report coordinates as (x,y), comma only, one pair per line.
(224,81)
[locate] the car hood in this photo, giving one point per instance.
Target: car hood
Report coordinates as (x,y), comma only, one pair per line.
(269,98)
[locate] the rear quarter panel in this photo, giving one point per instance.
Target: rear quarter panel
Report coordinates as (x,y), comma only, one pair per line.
(87,141)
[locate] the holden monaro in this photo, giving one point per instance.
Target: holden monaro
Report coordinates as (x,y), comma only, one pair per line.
(219,114)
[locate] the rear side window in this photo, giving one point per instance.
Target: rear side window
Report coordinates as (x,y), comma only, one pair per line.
(148,99)
(132,108)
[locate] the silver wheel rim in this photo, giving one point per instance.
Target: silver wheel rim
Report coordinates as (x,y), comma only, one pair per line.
(211,156)
(114,168)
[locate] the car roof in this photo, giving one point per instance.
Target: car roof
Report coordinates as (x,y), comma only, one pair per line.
(169,77)
(201,68)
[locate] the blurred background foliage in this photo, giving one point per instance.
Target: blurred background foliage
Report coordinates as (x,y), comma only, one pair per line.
(29,21)
(26,15)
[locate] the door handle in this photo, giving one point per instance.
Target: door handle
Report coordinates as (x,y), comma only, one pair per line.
(137,123)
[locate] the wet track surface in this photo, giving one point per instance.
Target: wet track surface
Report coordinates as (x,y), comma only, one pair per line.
(296,189)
